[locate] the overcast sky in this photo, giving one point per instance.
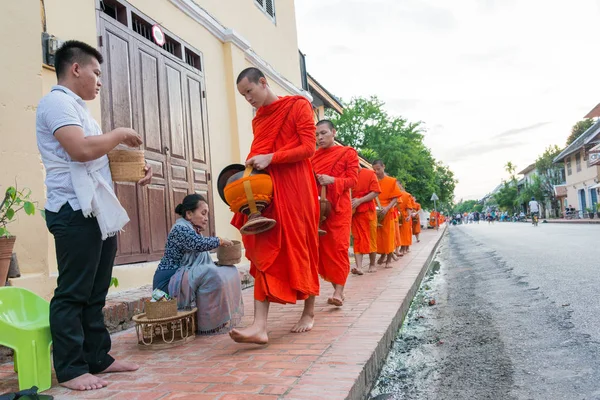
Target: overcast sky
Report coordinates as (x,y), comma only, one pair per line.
(493,80)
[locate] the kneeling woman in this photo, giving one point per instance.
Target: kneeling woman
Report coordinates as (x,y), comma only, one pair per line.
(188,273)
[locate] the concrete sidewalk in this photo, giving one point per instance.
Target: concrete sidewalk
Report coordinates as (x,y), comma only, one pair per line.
(573,221)
(338,359)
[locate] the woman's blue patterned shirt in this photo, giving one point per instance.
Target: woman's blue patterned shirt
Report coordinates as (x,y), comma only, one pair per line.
(181,240)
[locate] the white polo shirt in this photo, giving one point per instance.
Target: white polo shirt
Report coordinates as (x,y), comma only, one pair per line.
(61,107)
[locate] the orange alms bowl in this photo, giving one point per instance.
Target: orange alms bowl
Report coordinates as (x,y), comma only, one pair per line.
(261,187)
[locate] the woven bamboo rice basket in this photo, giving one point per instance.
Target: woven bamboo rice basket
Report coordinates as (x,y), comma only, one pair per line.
(160,309)
(126,165)
(230,255)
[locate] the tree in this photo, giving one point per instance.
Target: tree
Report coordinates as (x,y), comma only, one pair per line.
(550,174)
(366,126)
(507,196)
(579,128)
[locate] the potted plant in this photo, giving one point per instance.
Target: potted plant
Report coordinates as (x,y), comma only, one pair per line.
(13,202)
(590,212)
(598,209)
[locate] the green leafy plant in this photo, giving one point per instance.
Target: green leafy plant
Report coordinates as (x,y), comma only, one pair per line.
(14,201)
(114,282)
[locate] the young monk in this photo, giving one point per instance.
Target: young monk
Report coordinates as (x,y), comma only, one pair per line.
(416,221)
(284,259)
(405,206)
(364,220)
(336,168)
(388,199)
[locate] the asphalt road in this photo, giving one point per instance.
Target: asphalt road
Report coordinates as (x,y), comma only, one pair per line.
(517,316)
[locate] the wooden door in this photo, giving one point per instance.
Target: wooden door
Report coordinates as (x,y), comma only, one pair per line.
(195,96)
(119,109)
(163,100)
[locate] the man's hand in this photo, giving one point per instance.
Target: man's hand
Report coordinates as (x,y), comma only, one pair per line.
(147,176)
(131,138)
(325,180)
(356,203)
(260,162)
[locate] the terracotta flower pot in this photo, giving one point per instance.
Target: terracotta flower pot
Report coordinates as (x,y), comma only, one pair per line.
(6,249)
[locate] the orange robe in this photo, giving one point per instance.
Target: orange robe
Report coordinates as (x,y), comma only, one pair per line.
(386,233)
(416,221)
(364,220)
(406,227)
(397,238)
(433,218)
(284,259)
(340,162)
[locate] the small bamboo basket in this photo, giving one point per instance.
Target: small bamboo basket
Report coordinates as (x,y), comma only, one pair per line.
(160,309)
(127,165)
(230,255)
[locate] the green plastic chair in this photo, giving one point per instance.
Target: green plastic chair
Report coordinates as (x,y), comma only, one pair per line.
(25,328)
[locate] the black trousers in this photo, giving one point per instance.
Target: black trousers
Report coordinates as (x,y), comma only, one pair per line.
(80,339)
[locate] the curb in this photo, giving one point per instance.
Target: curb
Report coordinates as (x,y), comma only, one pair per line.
(368,376)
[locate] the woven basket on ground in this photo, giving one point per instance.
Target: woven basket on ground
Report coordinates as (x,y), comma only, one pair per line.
(230,255)
(160,309)
(126,165)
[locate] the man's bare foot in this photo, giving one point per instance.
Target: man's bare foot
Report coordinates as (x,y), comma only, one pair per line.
(381,259)
(85,382)
(251,334)
(335,301)
(372,269)
(356,271)
(305,324)
(121,366)
(388,265)
(394,257)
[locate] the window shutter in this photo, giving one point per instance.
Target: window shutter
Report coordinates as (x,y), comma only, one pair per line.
(269,7)
(261,2)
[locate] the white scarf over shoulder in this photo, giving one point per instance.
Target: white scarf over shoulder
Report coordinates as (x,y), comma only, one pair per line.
(96,196)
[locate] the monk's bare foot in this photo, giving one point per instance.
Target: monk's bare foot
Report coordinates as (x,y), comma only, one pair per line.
(388,265)
(251,334)
(335,301)
(121,366)
(305,323)
(356,271)
(372,269)
(394,257)
(381,259)
(85,382)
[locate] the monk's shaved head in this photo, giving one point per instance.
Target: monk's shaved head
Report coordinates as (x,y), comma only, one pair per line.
(253,75)
(326,122)
(378,162)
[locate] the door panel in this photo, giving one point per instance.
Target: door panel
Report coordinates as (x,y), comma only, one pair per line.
(162,99)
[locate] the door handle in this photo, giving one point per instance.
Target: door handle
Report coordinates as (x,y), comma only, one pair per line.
(166,150)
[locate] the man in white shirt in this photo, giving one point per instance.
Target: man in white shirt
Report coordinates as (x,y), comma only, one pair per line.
(83,214)
(534,207)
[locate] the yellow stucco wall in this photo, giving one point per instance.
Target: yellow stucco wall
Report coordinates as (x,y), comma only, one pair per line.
(270,40)
(229,116)
(20,90)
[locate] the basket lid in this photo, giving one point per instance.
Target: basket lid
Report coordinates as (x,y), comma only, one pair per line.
(227,173)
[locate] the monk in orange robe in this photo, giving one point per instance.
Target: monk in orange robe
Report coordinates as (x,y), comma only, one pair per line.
(397,239)
(388,198)
(336,168)
(416,220)
(405,208)
(364,220)
(284,259)
(434,219)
